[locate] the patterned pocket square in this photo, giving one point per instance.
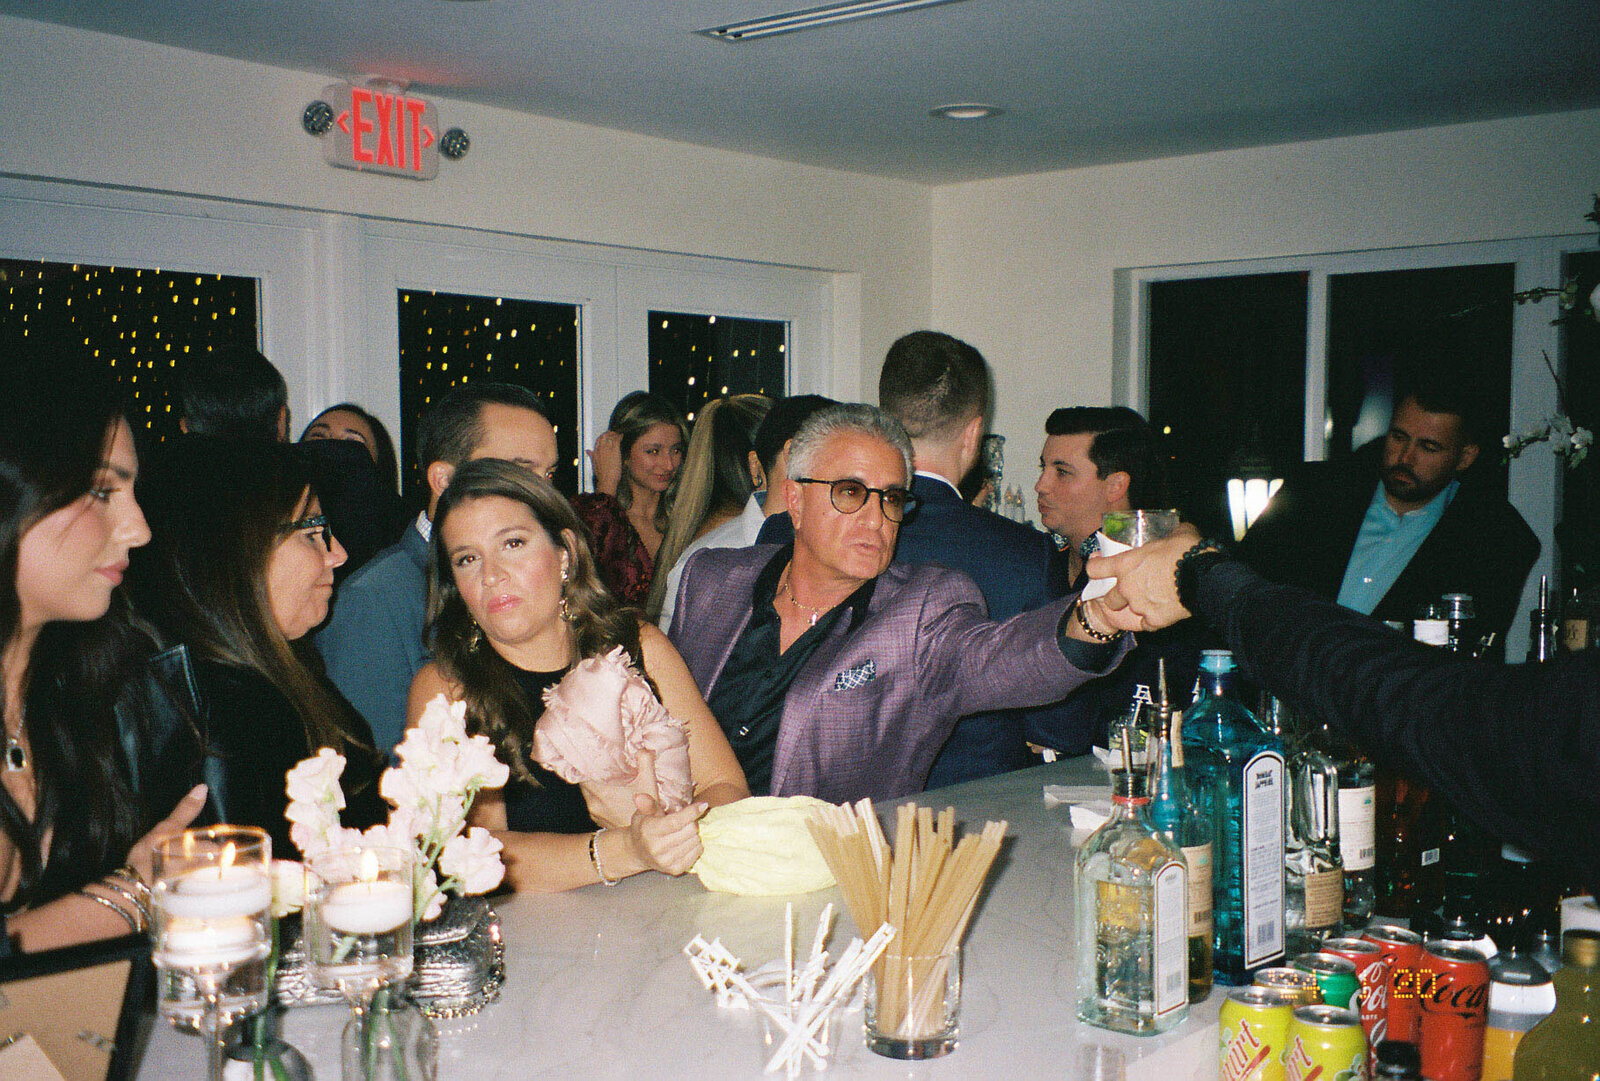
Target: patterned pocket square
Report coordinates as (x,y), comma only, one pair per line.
(855,676)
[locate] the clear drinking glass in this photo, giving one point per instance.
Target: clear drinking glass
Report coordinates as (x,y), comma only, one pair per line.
(1136,527)
(212,930)
(914,1004)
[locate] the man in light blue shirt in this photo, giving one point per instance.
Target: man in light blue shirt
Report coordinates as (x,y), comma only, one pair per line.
(1397,525)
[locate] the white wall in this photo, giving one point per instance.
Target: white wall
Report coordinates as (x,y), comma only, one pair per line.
(105,110)
(1023,266)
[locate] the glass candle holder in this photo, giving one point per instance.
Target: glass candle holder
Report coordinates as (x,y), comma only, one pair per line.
(211,910)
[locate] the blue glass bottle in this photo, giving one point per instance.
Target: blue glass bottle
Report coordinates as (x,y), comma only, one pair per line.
(1236,776)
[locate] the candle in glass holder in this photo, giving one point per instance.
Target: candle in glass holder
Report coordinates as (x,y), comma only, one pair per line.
(195,944)
(216,893)
(367,908)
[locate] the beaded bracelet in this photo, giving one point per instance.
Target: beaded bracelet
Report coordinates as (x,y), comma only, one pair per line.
(1083,622)
(594,858)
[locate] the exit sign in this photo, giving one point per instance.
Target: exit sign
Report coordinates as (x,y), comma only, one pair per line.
(382,131)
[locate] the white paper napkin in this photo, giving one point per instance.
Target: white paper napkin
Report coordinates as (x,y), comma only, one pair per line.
(1099,587)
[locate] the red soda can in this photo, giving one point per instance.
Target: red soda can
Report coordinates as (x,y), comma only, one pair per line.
(1402,949)
(1455,1011)
(1372,969)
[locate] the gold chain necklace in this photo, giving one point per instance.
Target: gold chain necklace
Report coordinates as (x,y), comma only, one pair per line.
(788,590)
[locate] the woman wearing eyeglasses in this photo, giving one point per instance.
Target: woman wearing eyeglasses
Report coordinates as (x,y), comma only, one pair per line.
(239,572)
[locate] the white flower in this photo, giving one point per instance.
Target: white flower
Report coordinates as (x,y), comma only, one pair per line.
(1594,303)
(1509,442)
(429,900)
(316,779)
(473,859)
(288,887)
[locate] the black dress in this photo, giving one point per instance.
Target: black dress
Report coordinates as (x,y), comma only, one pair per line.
(550,805)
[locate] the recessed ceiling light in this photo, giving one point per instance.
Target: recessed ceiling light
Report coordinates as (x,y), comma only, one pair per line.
(810,18)
(966,110)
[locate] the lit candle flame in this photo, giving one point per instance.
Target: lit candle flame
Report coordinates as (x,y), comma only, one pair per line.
(228,854)
(369,866)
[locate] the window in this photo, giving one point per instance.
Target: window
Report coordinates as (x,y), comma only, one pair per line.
(695,358)
(1362,312)
(144,324)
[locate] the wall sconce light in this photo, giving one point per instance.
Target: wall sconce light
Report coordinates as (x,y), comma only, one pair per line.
(1251,484)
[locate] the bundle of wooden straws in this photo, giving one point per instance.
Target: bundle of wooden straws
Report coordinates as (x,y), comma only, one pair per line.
(926,888)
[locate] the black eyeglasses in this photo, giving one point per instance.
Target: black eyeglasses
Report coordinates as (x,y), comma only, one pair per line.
(316,521)
(849,495)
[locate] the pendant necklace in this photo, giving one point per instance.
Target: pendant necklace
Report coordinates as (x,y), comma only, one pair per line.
(816,613)
(16,755)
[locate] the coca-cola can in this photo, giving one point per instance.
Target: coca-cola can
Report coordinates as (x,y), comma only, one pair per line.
(1402,949)
(1372,969)
(1455,1011)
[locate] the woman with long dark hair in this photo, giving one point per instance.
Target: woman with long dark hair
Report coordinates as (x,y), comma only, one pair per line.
(720,473)
(636,463)
(73,865)
(516,604)
(240,572)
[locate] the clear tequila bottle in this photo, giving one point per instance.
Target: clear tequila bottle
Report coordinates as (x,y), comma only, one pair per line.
(1179,821)
(1313,883)
(1236,773)
(1132,909)
(1358,848)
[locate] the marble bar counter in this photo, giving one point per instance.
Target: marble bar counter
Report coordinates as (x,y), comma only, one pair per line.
(597,985)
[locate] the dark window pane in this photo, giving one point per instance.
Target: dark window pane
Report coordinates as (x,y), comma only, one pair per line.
(448,338)
(1227,369)
(695,358)
(142,323)
(1579,531)
(1380,324)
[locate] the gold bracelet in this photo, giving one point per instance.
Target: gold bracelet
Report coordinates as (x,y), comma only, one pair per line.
(134,924)
(1083,621)
(594,858)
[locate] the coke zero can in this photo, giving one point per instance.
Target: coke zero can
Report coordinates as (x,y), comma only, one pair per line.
(1455,1011)
(1402,949)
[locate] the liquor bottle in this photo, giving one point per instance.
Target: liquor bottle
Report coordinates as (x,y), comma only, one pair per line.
(1565,1046)
(1132,919)
(1175,817)
(1313,882)
(1236,775)
(1410,826)
(1357,819)
(1524,910)
(1544,632)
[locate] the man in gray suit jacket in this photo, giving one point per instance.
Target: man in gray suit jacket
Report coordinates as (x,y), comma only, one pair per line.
(837,675)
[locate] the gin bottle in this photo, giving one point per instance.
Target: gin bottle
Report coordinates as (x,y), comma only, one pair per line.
(1236,773)
(1357,822)
(1181,824)
(1132,902)
(1313,884)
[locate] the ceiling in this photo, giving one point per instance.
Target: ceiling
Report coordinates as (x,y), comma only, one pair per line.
(1082,82)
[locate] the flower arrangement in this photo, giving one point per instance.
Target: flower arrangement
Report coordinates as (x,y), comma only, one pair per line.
(1568,440)
(441,772)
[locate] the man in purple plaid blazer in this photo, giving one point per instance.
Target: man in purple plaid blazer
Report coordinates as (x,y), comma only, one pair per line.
(837,675)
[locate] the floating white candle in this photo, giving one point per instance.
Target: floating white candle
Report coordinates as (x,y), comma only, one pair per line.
(366,908)
(215,893)
(199,943)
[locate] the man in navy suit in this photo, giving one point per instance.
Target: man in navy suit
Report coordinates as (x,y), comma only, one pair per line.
(937,386)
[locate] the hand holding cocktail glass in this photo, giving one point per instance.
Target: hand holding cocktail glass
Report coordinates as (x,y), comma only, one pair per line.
(1143,595)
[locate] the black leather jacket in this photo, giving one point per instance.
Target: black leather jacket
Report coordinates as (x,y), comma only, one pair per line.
(191,721)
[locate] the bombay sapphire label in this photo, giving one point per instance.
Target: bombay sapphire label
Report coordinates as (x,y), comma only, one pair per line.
(1262,835)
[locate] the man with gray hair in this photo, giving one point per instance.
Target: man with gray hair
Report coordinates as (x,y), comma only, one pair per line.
(837,675)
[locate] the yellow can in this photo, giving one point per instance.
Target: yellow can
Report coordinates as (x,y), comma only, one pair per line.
(1324,1043)
(1255,1025)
